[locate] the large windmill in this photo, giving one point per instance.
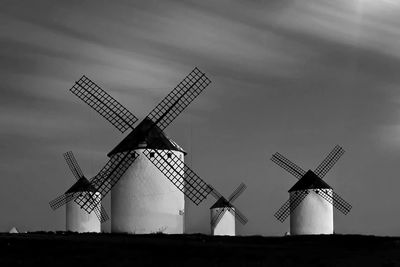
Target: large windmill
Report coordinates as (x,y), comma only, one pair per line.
(143,201)
(77,219)
(311,201)
(223,222)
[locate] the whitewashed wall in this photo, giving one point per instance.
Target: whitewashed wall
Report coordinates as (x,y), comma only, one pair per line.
(79,220)
(145,201)
(226,226)
(314,215)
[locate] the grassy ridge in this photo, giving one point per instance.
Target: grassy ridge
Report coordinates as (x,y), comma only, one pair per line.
(70,249)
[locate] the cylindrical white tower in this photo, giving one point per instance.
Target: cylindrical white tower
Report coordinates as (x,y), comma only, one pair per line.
(78,219)
(313,215)
(227,223)
(144,201)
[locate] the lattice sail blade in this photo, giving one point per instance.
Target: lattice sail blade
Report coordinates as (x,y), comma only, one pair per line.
(329,161)
(179,98)
(217,195)
(90,198)
(104,216)
(289,166)
(101,214)
(238,215)
(103,103)
(108,177)
(62,200)
(175,170)
(341,204)
(283,212)
(337,201)
(290,205)
(73,165)
(235,194)
(298,199)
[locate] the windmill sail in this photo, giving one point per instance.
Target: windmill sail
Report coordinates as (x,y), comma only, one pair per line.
(162,115)
(104,104)
(179,98)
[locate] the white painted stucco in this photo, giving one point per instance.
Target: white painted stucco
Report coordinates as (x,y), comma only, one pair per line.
(145,201)
(79,220)
(314,215)
(226,226)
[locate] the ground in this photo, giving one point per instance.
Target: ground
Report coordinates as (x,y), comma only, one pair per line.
(70,249)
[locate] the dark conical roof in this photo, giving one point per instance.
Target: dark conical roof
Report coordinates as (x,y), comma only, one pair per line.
(221,203)
(82,185)
(146,135)
(310,181)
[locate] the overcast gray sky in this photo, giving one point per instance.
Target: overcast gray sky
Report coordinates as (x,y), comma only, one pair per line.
(294,76)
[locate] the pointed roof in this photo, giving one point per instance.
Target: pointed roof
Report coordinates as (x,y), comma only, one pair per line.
(82,185)
(146,135)
(13,230)
(221,203)
(309,181)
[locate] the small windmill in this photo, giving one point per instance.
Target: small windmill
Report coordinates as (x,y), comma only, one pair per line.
(223,222)
(142,201)
(311,201)
(77,219)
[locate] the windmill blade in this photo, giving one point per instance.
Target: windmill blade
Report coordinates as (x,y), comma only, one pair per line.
(337,201)
(235,194)
(184,178)
(179,98)
(62,200)
(73,165)
(289,166)
(217,195)
(98,209)
(108,177)
(101,213)
(103,103)
(289,206)
(341,204)
(329,161)
(238,215)
(283,212)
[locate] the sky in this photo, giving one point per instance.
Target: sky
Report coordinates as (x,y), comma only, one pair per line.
(289,76)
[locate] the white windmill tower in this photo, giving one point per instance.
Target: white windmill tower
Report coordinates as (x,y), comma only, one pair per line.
(223,222)
(142,200)
(78,219)
(311,200)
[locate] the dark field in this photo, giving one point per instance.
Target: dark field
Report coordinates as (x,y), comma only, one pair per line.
(68,249)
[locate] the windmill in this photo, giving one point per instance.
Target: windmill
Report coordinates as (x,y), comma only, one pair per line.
(142,200)
(223,222)
(311,201)
(77,219)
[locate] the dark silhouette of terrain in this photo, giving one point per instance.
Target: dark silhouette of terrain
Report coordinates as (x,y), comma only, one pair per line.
(71,249)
